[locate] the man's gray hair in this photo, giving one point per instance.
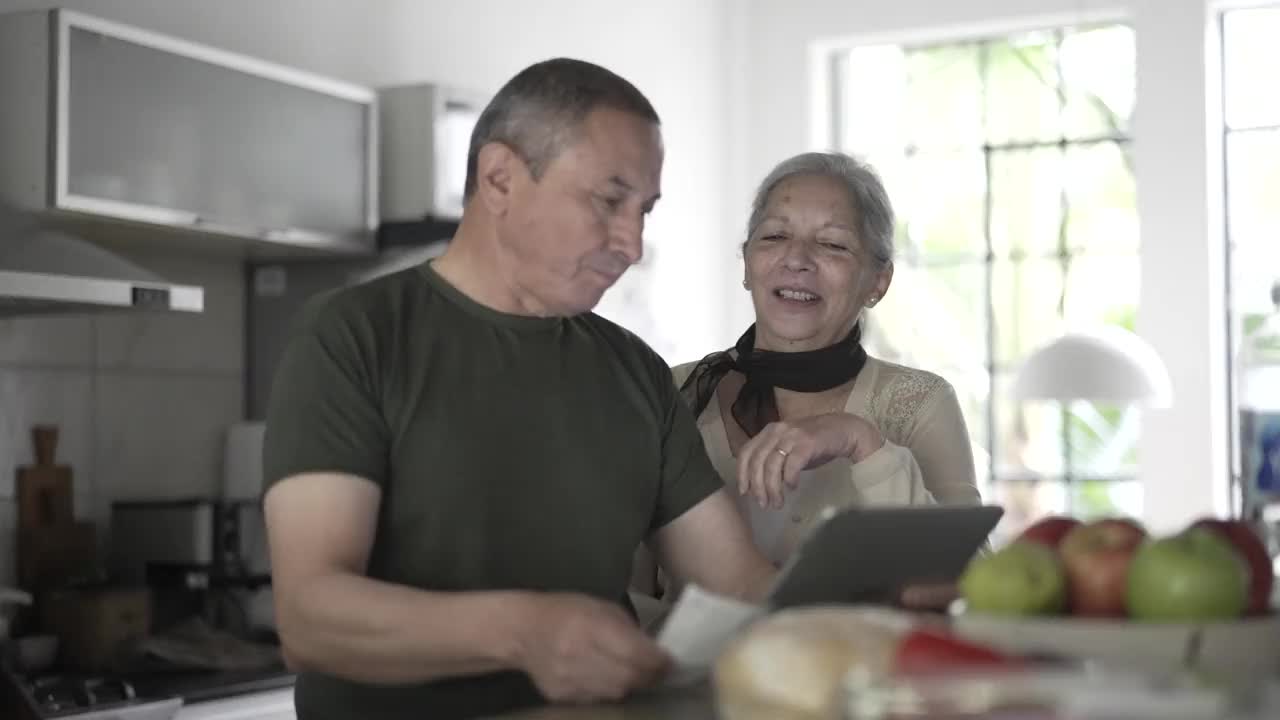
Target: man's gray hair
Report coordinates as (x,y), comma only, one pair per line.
(538,112)
(867,196)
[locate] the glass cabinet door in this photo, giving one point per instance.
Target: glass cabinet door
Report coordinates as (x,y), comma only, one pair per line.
(153,129)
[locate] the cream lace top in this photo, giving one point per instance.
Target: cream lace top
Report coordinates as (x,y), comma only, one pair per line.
(926,457)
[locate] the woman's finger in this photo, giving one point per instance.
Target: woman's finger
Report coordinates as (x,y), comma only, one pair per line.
(772,475)
(764,445)
(751,461)
(759,483)
(797,460)
(746,461)
(744,466)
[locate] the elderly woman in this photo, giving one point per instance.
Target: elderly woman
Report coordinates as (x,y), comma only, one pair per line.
(796,416)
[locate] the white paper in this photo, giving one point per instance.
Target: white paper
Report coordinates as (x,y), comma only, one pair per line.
(698,628)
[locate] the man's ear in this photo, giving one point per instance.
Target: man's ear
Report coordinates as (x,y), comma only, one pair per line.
(496,169)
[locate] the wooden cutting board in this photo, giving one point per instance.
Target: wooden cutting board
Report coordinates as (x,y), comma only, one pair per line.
(45,496)
(53,547)
(54,555)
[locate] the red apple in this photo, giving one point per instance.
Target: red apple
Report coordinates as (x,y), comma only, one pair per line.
(1050,530)
(1096,557)
(1245,539)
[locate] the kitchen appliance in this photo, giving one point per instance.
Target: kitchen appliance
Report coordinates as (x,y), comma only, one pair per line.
(199,540)
(36,697)
(43,270)
(424,131)
(200,557)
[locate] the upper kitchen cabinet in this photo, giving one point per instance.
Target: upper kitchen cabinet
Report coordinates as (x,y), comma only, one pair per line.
(105,120)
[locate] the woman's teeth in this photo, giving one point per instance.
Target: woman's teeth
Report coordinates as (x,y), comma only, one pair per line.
(800,295)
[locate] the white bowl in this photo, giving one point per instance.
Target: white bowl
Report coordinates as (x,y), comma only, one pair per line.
(1248,646)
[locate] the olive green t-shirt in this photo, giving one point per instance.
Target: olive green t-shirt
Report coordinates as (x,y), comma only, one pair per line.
(512,452)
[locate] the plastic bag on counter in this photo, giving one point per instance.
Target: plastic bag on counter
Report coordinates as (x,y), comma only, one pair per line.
(1040,693)
(195,644)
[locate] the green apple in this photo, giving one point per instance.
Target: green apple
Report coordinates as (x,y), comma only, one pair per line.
(1023,578)
(1194,575)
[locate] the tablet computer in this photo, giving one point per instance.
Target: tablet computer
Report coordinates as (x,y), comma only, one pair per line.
(868,555)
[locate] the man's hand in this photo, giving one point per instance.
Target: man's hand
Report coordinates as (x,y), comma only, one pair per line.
(769,464)
(580,649)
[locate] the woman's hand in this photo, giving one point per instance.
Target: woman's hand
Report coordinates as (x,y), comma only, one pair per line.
(770,463)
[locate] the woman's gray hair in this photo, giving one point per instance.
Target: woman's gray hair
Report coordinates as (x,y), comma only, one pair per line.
(867,195)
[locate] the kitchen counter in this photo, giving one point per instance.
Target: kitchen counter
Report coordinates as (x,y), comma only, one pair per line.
(690,703)
(697,703)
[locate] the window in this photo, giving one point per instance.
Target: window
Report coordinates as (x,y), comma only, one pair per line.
(1251,137)
(1008,162)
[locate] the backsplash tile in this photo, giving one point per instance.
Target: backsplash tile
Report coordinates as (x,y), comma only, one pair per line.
(161,436)
(142,400)
(209,341)
(64,398)
(46,340)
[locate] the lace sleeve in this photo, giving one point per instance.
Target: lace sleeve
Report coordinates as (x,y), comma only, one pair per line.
(920,411)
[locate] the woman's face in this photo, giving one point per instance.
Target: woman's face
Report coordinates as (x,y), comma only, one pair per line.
(806,267)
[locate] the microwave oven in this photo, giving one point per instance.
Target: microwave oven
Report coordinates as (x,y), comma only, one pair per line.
(223,538)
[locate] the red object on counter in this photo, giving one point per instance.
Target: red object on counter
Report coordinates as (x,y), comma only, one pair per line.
(1096,557)
(1050,530)
(931,650)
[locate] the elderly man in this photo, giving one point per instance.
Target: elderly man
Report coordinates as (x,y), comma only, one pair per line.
(463,458)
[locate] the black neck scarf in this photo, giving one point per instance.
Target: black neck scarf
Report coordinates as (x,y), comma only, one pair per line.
(755,407)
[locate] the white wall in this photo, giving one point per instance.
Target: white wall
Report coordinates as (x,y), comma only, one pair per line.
(1183,451)
(177,388)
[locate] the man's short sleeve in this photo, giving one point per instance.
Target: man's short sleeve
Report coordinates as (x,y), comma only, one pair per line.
(324,413)
(688,477)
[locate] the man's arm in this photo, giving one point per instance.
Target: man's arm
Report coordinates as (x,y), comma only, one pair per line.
(710,544)
(335,620)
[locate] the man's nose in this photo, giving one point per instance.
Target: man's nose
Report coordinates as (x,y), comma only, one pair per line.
(628,238)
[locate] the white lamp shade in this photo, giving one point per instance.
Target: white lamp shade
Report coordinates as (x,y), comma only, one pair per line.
(1107,364)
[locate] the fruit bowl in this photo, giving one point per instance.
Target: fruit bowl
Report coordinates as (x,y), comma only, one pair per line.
(1106,590)
(1245,646)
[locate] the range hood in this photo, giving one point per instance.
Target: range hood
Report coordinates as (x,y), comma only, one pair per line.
(43,270)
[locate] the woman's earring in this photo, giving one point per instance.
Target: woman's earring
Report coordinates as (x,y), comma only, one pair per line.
(745,286)
(872,300)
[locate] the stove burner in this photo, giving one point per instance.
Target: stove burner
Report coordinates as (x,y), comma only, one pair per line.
(56,693)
